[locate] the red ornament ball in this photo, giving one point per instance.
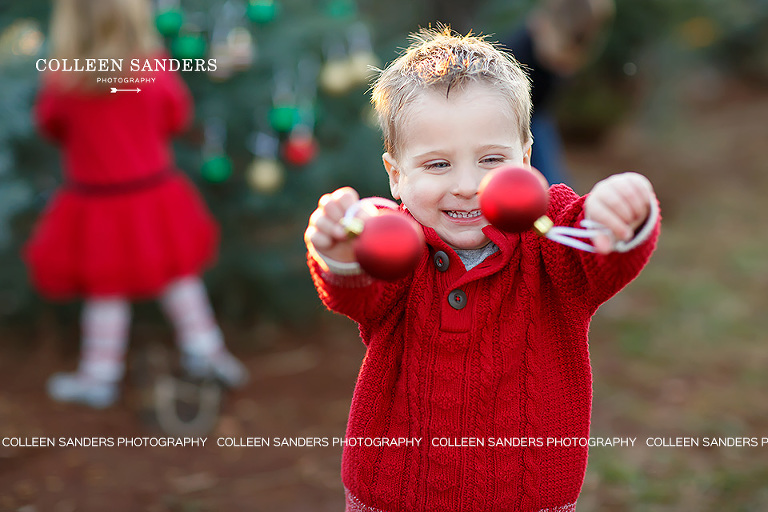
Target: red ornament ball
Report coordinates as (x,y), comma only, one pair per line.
(513,198)
(300,149)
(389,246)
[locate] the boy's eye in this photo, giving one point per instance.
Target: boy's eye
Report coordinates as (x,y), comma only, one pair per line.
(440,164)
(492,159)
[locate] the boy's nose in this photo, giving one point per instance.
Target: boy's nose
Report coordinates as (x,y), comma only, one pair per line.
(466,183)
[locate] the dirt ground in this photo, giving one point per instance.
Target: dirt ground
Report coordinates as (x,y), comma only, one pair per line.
(678,351)
(300,388)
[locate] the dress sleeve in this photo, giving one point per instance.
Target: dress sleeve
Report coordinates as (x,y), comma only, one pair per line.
(177,103)
(589,278)
(48,114)
(358,296)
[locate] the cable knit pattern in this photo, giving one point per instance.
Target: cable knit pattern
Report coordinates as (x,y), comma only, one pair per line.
(355,505)
(512,363)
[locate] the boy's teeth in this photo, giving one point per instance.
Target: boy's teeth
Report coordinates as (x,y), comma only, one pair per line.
(463,215)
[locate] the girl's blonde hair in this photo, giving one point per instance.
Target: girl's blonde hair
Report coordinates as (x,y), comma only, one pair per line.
(101,29)
(440,59)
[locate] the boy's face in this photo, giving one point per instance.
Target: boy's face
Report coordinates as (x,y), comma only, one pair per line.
(446,146)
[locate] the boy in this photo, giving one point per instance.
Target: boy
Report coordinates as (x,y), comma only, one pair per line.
(487,339)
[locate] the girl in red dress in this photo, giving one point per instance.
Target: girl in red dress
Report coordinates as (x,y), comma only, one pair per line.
(126,224)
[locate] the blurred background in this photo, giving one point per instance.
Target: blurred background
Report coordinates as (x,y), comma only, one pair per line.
(677,90)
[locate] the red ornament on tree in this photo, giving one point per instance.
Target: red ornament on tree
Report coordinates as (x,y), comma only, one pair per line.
(513,198)
(389,246)
(300,149)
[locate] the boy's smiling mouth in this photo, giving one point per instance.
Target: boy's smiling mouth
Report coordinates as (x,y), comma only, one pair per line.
(463,214)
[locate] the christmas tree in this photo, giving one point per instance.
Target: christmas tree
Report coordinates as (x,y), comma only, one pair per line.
(282,119)
(285,116)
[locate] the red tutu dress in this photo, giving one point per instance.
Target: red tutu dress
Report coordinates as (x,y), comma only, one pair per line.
(126,222)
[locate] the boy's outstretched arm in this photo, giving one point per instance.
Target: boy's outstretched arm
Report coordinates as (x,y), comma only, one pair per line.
(342,285)
(623,204)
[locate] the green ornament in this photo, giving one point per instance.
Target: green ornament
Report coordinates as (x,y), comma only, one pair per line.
(283,118)
(169,22)
(341,9)
(262,11)
(217,169)
(188,47)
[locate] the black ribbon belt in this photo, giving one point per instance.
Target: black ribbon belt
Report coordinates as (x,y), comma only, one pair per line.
(120,187)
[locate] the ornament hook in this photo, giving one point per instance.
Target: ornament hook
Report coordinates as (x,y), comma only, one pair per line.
(354,225)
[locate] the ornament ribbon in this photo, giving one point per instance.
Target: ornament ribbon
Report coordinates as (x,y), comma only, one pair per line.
(570,236)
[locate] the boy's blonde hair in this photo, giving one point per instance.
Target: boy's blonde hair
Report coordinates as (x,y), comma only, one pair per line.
(101,29)
(441,59)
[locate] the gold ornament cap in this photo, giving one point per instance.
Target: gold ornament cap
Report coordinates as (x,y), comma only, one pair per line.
(542,225)
(353,226)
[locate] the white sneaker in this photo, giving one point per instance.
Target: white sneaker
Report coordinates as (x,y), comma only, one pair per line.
(75,387)
(222,366)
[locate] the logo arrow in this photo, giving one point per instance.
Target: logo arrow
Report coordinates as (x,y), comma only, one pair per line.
(114,90)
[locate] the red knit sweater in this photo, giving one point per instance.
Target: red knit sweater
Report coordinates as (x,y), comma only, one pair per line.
(512,363)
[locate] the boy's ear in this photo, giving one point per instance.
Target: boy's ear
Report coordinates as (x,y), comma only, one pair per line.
(390,164)
(527,149)
(527,162)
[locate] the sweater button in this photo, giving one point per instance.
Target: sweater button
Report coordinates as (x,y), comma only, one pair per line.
(441,261)
(457,299)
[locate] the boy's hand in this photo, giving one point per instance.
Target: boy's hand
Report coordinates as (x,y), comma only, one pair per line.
(621,203)
(325,232)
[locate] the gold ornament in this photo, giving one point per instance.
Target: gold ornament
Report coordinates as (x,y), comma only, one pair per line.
(241,48)
(225,66)
(265,175)
(362,66)
(336,77)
